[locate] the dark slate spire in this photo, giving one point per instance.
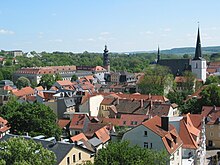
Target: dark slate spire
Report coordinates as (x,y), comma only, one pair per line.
(198,52)
(158,54)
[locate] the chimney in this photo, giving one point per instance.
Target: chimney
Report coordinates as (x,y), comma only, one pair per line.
(142,103)
(165,123)
(149,96)
(117,101)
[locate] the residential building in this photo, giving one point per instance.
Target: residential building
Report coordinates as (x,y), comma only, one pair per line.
(212,125)
(90,104)
(24,93)
(66,153)
(157,134)
(4,127)
(34,74)
(190,135)
(78,124)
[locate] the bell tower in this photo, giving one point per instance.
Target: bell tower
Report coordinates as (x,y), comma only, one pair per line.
(106,61)
(198,63)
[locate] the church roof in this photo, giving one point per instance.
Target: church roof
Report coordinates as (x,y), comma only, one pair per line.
(176,66)
(198,52)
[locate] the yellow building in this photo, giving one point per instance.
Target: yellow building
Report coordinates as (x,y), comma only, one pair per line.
(212,128)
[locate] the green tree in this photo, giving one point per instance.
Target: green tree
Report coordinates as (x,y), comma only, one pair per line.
(156,80)
(176,97)
(18,151)
(193,106)
(189,83)
(74,78)
(211,95)
(212,79)
(122,153)
(33,118)
(47,80)
(1,76)
(58,77)
(8,62)
(22,82)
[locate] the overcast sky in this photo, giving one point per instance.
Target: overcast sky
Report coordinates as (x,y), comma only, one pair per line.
(124,25)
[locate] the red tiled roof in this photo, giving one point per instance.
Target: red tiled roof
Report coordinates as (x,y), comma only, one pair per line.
(113,121)
(154,124)
(78,121)
(180,79)
(79,137)
(197,93)
(107,101)
(187,132)
(24,91)
(45,70)
(4,124)
(92,128)
(212,113)
(7,88)
(64,82)
(98,68)
(103,134)
(137,96)
(39,88)
(132,120)
(196,120)
(63,123)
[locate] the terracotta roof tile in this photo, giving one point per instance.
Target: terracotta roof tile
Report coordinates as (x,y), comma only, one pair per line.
(154,124)
(79,137)
(39,88)
(103,134)
(63,123)
(24,91)
(107,101)
(78,121)
(4,125)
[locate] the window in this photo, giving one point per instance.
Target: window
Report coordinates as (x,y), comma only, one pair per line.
(68,160)
(145,144)
(74,158)
(211,134)
(77,132)
(80,156)
(151,145)
(124,122)
(145,133)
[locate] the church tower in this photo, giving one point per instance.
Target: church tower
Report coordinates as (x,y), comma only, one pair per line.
(106,61)
(198,63)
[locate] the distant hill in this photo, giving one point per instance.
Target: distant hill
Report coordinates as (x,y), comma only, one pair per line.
(191,50)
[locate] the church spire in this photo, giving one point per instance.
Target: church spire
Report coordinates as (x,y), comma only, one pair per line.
(198,52)
(158,54)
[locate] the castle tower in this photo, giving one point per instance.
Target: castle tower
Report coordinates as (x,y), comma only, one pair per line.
(106,61)
(198,63)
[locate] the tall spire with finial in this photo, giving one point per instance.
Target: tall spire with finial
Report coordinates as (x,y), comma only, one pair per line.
(158,54)
(198,52)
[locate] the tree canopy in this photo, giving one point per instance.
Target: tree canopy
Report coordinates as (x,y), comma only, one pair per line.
(47,80)
(122,153)
(156,79)
(30,118)
(19,151)
(211,95)
(22,82)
